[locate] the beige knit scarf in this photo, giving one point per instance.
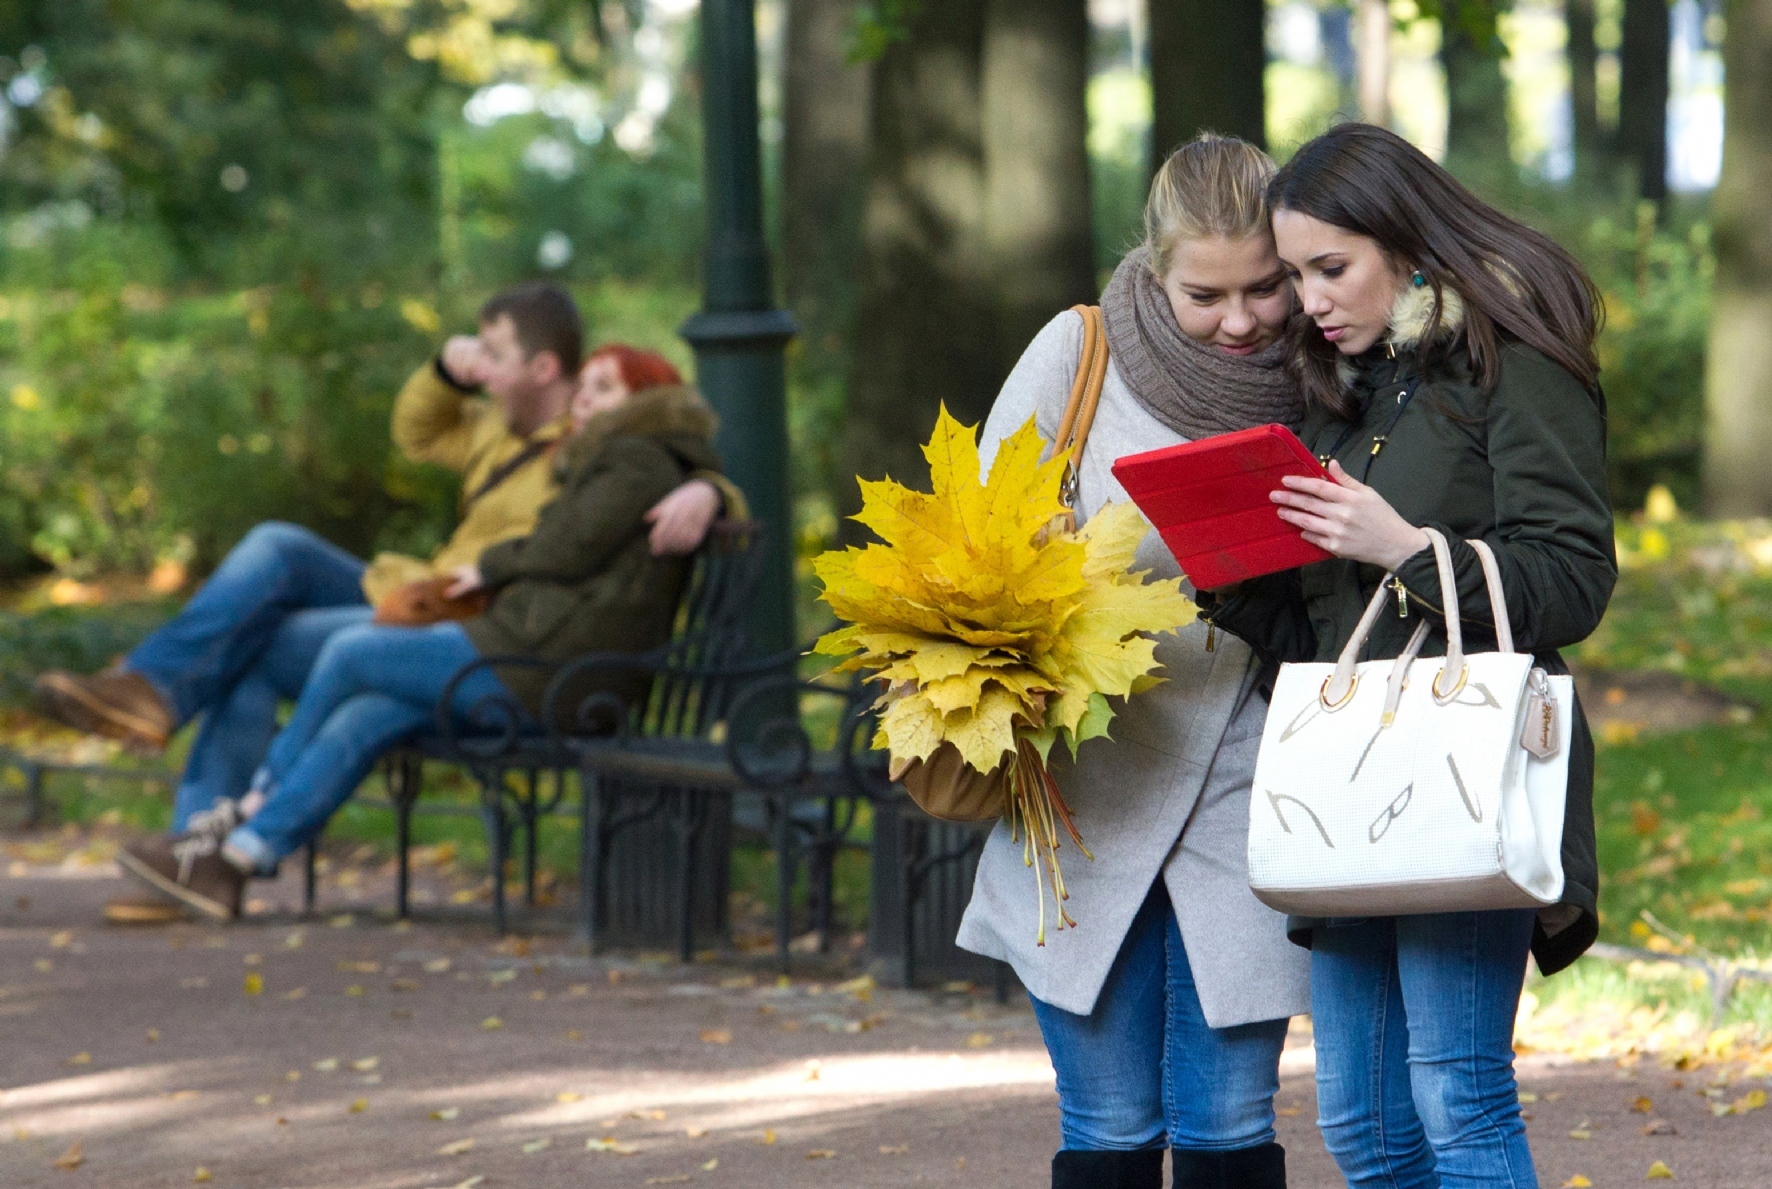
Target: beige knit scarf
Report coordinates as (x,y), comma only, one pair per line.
(1192,388)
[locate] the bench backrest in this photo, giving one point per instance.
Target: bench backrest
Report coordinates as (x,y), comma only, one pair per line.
(709,635)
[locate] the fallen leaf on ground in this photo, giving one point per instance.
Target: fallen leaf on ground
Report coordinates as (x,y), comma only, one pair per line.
(446,1114)
(1659,1172)
(1527,1096)
(768,1136)
(71,1159)
(657,1116)
(716,1036)
(537,1145)
(293,1075)
(355,990)
(711,1165)
(568,1096)
(460,1147)
(326,1064)
(437,966)
(253,959)
(80,1059)
(894,1150)
(62,940)
(358,1106)
(352,966)
(365,1064)
(820,1154)
(979,1040)
(403,984)
(470,1183)
(297,993)
(201,1176)
(695,1132)
(574,1034)
(1642,1106)
(610,1144)
(294,941)
(491,1023)
(1753,1100)
(255,983)
(1583,1131)
(1578,1182)
(343,920)
(1657,1127)
(44,965)
(679,1179)
(153,1035)
(501,976)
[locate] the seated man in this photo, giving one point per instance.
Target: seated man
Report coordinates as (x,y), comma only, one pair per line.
(586,580)
(251,634)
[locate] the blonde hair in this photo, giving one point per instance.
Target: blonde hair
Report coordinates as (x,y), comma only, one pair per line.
(1211,186)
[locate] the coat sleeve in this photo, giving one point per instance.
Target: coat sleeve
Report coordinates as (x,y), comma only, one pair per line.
(582,529)
(1266,613)
(1553,535)
(434,420)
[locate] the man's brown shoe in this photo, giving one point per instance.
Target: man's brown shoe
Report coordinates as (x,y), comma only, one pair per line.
(143,910)
(189,868)
(116,703)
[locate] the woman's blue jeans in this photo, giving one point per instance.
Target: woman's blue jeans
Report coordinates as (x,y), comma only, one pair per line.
(1414,1020)
(245,641)
(371,687)
(1145,1070)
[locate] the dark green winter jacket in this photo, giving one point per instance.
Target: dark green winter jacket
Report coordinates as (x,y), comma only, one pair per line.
(586,579)
(1523,468)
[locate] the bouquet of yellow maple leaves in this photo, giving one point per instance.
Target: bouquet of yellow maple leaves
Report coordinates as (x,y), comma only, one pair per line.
(996,629)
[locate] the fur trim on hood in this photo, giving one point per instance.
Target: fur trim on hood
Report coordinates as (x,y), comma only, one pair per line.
(669,410)
(1410,315)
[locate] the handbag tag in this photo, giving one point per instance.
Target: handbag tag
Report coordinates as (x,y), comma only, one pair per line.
(1541,735)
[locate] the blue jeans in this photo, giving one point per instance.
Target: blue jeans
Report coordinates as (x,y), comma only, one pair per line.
(246,638)
(1414,1021)
(371,687)
(1145,1070)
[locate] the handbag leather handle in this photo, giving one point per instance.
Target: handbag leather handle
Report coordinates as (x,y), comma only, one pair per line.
(1338,690)
(1085,397)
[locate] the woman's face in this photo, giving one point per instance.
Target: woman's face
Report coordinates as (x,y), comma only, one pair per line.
(1229,294)
(600,388)
(1345,282)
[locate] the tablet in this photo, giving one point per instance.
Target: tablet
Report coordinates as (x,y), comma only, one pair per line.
(1209,501)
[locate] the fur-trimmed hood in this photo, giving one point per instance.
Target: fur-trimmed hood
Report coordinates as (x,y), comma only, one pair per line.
(667,411)
(1411,313)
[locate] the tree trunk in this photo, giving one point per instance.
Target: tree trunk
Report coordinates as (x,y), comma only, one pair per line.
(1035,131)
(1207,64)
(1738,380)
(925,309)
(1476,90)
(1584,95)
(1642,95)
(824,154)
(824,158)
(1372,53)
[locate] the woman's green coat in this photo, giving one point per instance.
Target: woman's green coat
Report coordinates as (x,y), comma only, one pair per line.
(1522,467)
(586,579)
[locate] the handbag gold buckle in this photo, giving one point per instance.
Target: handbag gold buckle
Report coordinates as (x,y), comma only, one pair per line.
(1323,694)
(1445,699)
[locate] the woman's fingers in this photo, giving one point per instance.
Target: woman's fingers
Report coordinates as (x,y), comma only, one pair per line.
(1322,488)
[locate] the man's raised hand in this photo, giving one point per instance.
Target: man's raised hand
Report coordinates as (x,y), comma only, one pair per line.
(462,358)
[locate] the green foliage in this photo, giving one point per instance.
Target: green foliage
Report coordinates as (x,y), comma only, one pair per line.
(229,229)
(83,639)
(877,24)
(1657,286)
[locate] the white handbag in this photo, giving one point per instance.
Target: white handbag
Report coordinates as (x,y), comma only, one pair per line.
(1388,788)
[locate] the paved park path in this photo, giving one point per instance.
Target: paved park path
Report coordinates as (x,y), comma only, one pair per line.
(349,1051)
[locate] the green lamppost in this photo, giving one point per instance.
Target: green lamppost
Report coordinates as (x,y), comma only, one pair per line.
(739,335)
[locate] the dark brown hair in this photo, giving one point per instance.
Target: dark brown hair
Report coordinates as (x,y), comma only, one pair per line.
(1517,284)
(545,318)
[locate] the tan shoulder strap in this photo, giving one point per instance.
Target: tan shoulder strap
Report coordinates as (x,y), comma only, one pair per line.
(1079,410)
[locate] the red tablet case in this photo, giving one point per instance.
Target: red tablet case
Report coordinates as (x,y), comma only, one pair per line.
(1209,500)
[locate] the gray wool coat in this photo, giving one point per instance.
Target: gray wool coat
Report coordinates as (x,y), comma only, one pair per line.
(1167,797)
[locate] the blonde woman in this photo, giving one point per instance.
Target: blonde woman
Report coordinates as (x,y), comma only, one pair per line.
(1165,1009)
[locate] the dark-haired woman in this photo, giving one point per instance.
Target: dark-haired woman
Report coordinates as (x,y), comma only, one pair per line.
(1450,372)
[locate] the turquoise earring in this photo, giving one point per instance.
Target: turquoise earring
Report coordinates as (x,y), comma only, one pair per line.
(1418,281)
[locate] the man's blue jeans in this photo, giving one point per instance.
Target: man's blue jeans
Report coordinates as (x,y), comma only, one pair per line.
(1145,1070)
(371,687)
(246,639)
(1414,1020)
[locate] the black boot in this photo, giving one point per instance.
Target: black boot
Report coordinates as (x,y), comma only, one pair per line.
(1142,1169)
(1245,1168)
